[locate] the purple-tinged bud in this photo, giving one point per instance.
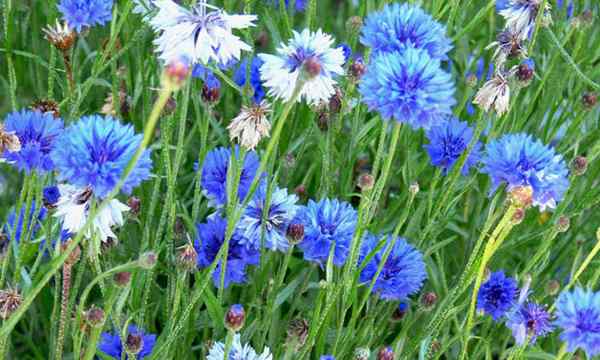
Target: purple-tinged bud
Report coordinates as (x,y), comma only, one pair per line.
(300,190)
(357,69)
(148,260)
(525,73)
(385,353)
(295,233)
(563,223)
(122,278)
(335,101)
(10,300)
(135,205)
(262,40)
(589,100)
(428,300)
(362,354)
(579,165)
(134,344)
(235,318)
(297,333)
(94,317)
(312,66)
(187,259)
(400,312)
(3,244)
(323,119)
(210,95)
(366,182)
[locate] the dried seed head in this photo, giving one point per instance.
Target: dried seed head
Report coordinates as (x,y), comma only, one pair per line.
(295,233)
(10,300)
(135,205)
(60,36)
(362,354)
(385,353)
(235,318)
(122,278)
(297,333)
(124,104)
(366,182)
(589,100)
(494,94)
(251,125)
(148,260)
(521,196)
(187,259)
(579,165)
(46,106)
(563,223)
(134,344)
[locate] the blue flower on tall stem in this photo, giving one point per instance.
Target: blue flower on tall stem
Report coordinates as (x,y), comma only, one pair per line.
(448,141)
(497,295)
(81,14)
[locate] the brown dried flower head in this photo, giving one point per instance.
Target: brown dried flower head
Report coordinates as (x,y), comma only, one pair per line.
(10,300)
(60,35)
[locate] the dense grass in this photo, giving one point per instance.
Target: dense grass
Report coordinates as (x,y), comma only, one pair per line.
(450,219)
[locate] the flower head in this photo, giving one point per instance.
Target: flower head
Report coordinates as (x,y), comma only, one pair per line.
(521,160)
(327,223)
(32,226)
(95,152)
(447,141)
(80,14)
(201,34)
(495,93)
(309,60)
(497,295)
(211,236)
(408,86)
(521,15)
(111,344)
(578,316)
(61,36)
(253,79)
(280,213)
(37,134)
(207,76)
(251,125)
(399,26)
(214,174)
(238,351)
(529,319)
(402,274)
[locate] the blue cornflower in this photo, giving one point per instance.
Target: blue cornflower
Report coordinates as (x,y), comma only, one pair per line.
(528,319)
(80,14)
(211,236)
(409,87)
(136,340)
(95,151)
(282,210)
(254,80)
(51,195)
(400,26)
(447,141)
(32,226)
(578,316)
(403,273)
(37,133)
(214,174)
(521,160)
(497,295)
(327,223)
(207,76)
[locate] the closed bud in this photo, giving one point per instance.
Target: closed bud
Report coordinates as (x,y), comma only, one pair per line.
(521,196)
(10,300)
(210,95)
(428,300)
(134,343)
(400,312)
(312,66)
(262,40)
(170,106)
(357,69)
(135,205)
(553,287)
(525,73)
(366,182)
(94,317)
(297,332)
(148,260)
(323,119)
(122,278)
(176,73)
(362,354)
(589,100)
(385,353)
(579,165)
(335,101)
(187,258)
(563,223)
(295,233)
(179,227)
(300,190)
(235,318)
(518,216)
(414,188)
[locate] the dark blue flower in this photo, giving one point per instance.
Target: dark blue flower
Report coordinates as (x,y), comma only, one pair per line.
(402,274)
(51,194)
(95,152)
(80,14)
(497,295)
(214,174)
(211,236)
(521,160)
(37,133)
(240,78)
(409,87)
(528,320)
(327,223)
(32,225)
(397,27)
(578,316)
(207,76)
(447,141)
(111,344)
(282,210)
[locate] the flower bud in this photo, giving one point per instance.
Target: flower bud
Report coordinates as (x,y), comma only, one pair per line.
(297,332)
(366,182)
(135,205)
(335,101)
(134,343)
(187,259)
(176,73)
(553,287)
(323,119)
(94,317)
(521,196)
(210,95)
(385,353)
(563,223)
(589,100)
(435,346)
(300,190)
(518,216)
(400,312)
(295,233)
(235,318)
(579,165)
(148,260)
(262,39)
(10,300)
(362,354)
(122,278)
(525,72)
(428,300)
(357,69)
(312,66)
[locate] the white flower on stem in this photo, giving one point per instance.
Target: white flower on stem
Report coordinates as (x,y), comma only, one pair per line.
(495,93)
(73,209)
(201,34)
(308,57)
(251,125)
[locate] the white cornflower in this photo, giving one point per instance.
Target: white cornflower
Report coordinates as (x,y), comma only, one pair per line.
(199,35)
(521,15)
(494,93)
(308,57)
(73,209)
(251,125)
(238,352)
